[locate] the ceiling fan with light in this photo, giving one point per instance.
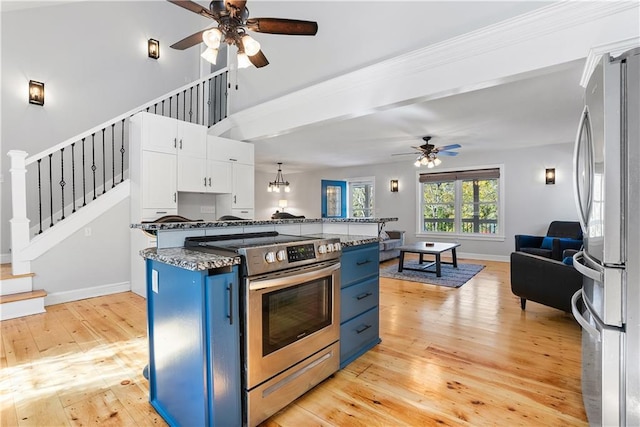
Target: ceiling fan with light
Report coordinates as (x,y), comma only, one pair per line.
(428,153)
(232,17)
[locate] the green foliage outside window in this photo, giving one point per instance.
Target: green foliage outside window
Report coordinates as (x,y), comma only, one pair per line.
(477,209)
(361,200)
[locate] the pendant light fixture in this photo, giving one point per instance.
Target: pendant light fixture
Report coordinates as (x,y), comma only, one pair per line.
(274,186)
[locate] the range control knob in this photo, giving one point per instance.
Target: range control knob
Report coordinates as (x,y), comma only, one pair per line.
(337,246)
(270,257)
(281,255)
(329,247)
(322,249)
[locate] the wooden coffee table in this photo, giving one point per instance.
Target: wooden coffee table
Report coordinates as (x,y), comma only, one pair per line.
(423,248)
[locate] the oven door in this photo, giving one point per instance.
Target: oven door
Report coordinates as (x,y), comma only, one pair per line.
(290,316)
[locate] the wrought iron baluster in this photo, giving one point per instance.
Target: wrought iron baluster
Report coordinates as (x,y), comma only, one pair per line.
(93,162)
(178,106)
(209,104)
(148,109)
(184,105)
(122,151)
(73,176)
(226,94)
(51,189)
(113,155)
(84,180)
(198,103)
(163,107)
(104,168)
(170,100)
(190,103)
(62,183)
(155,108)
(203,113)
(215,99)
(39,196)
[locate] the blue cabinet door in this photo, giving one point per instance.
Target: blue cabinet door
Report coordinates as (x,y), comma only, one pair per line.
(224,348)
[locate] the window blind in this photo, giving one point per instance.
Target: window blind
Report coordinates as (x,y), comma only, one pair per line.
(460,175)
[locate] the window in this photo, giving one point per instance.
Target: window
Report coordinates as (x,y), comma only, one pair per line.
(461,202)
(361,197)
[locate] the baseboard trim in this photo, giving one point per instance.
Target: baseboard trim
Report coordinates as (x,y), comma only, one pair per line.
(483,257)
(79,294)
(5,258)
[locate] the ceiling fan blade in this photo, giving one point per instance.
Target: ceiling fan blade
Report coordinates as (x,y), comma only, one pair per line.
(283,26)
(448,147)
(188,41)
(193,7)
(259,60)
(447,153)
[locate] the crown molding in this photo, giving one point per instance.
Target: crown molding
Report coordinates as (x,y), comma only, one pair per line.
(613,49)
(275,117)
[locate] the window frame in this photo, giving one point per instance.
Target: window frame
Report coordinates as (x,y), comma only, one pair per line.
(371,180)
(499,236)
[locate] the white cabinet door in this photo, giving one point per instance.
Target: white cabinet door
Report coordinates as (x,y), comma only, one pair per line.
(230,150)
(192,174)
(192,139)
(243,183)
(219,176)
(158,133)
(159,180)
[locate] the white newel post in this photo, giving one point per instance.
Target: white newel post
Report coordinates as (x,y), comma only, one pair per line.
(19,221)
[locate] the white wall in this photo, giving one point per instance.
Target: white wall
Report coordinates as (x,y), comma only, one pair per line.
(92,58)
(82,265)
(530,204)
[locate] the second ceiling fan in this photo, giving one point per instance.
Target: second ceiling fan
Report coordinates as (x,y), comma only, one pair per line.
(232,17)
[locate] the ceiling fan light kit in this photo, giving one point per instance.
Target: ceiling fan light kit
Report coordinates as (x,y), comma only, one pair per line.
(233,23)
(428,153)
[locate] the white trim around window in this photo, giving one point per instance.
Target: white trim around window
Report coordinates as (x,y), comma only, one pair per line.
(463,236)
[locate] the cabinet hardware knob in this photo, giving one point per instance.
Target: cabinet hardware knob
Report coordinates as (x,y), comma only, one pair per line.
(230,315)
(205,181)
(363,296)
(181,144)
(362,329)
(175,197)
(175,142)
(209,181)
(234,200)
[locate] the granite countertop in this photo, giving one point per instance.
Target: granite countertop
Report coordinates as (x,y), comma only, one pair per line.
(243,223)
(200,261)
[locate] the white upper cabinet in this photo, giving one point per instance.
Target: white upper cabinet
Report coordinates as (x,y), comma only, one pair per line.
(232,151)
(191,139)
(158,133)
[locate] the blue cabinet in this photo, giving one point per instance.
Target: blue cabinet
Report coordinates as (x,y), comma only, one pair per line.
(194,345)
(359,301)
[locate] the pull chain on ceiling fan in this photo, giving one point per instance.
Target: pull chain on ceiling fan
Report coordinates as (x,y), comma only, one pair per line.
(233,21)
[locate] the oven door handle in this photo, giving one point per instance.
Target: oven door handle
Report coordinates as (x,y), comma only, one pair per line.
(297,278)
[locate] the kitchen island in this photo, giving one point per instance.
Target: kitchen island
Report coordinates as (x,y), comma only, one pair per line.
(195,318)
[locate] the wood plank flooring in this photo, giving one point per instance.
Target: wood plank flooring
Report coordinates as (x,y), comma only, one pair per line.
(457,357)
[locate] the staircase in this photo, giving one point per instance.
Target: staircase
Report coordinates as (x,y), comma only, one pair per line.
(78,180)
(17,297)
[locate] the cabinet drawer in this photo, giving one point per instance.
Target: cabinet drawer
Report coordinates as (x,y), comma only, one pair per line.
(153,214)
(357,333)
(358,298)
(358,264)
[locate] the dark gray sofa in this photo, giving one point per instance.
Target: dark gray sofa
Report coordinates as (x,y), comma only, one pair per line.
(389,247)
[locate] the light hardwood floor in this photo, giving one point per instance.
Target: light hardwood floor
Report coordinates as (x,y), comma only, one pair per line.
(458,357)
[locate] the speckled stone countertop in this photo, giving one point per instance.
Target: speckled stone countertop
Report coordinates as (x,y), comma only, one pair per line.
(244,223)
(200,261)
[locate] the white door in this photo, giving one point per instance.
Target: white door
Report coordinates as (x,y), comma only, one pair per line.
(159,133)
(243,183)
(219,177)
(159,180)
(192,174)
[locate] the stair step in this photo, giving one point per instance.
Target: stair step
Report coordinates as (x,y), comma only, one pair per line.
(6,273)
(4,299)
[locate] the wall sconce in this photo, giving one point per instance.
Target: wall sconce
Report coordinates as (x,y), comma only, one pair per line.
(36,92)
(154,48)
(550,176)
(394,185)
(282,203)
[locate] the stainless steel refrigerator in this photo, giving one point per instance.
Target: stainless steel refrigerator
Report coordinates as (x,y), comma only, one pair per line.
(607,190)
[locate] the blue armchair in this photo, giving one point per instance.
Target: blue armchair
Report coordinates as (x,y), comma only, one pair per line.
(561,235)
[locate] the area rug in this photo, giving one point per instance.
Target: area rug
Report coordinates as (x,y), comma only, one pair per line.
(451,277)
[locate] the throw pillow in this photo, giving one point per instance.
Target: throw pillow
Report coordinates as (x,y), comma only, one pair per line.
(384,235)
(568,260)
(547,243)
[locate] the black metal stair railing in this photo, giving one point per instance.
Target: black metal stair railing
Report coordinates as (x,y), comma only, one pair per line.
(103,152)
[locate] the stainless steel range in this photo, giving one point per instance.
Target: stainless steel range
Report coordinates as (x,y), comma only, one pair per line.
(291,312)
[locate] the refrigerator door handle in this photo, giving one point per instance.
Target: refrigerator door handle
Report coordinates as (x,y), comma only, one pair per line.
(584,134)
(596,275)
(581,320)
